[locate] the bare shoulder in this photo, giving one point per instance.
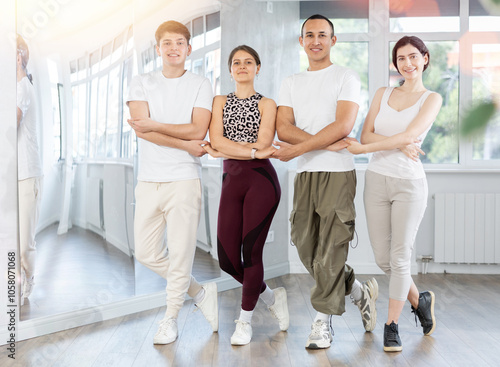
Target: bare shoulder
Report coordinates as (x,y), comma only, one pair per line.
(434,100)
(267,103)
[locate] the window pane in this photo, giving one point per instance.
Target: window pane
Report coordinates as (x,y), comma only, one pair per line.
(82,109)
(198,33)
(212,69)
(424,16)
(74,97)
(481,19)
(106,55)
(94,61)
(117,48)
(112,125)
(441,143)
(198,66)
(486,87)
(347,16)
(93,117)
(101,116)
(128,136)
(213,28)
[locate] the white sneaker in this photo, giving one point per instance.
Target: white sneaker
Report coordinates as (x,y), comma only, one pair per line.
(167,332)
(243,333)
(321,335)
(366,304)
(280,308)
(27,288)
(209,306)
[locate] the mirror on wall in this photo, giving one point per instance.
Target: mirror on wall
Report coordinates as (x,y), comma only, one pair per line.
(82,56)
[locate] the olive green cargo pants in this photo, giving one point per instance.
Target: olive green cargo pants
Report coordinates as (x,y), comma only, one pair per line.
(322,225)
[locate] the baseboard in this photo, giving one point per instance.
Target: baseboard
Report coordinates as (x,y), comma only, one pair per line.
(51,324)
(461,268)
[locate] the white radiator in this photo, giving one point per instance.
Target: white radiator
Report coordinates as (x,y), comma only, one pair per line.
(467,228)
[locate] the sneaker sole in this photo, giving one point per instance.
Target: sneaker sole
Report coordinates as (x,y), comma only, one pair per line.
(314,345)
(163,341)
(209,288)
(393,349)
(239,343)
(373,285)
(433,299)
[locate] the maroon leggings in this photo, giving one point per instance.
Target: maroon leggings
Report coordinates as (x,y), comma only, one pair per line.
(250,196)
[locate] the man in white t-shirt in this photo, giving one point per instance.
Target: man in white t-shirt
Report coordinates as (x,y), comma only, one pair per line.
(170,112)
(317,110)
(29,169)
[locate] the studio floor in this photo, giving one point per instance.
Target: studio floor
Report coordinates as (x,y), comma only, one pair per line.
(467,333)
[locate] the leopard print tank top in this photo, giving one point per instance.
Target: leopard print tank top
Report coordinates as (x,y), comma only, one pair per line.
(241,118)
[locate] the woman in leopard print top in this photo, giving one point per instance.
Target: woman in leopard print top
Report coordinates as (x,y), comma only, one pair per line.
(242,131)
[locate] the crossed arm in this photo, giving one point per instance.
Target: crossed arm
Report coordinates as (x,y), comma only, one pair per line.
(187,137)
(296,142)
(222,147)
(405,141)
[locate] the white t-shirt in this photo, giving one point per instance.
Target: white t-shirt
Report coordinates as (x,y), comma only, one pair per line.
(28,156)
(313,95)
(389,122)
(170,100)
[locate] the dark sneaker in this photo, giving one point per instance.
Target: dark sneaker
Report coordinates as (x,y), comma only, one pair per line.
(425,312)
(321,335)
(392,341)
(366,304)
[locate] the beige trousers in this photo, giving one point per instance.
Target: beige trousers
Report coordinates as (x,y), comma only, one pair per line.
(30,195)
(175,205)
(394,209)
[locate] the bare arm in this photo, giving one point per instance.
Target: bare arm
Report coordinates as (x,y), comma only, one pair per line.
(285,126)
(420,123)
(19,116)
(197,129)
(221,146)
(345,117)
(140,110)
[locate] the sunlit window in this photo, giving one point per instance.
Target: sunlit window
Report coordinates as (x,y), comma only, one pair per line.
(424,16)
(486,87)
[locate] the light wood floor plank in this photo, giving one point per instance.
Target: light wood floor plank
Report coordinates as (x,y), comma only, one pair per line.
(467,333)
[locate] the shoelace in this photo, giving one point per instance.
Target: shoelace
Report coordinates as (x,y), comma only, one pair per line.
(164,324)
(421,317)
(393,334)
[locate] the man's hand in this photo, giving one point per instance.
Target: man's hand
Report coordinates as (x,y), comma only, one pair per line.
(195,147)
(142,125)
(340,144)
(286,152)
(412,151)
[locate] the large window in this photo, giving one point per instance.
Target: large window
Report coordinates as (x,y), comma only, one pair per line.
(99,86)
(462,37)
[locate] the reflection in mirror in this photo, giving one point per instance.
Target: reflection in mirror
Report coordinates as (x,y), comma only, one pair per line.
(81,66)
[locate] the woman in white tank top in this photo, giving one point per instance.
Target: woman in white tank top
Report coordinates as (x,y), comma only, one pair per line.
(395,185)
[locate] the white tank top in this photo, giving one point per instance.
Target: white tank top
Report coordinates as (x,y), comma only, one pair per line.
(389,122)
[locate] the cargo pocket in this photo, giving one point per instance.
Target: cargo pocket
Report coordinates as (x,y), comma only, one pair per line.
(344,226)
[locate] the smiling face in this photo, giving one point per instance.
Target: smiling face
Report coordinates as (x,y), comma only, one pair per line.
(410,62)
(317,41)
(173,49)
(244,67)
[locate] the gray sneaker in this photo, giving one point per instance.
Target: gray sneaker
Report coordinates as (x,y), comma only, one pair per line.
(366,304)
(321,335)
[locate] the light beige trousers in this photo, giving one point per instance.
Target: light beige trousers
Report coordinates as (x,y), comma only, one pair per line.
(30,197)
(174,207)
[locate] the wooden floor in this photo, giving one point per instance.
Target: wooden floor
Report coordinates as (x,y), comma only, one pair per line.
(80,269)
(467,333)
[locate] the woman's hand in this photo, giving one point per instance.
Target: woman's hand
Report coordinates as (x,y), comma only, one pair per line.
(355,147)
(412,151)
(142,125)
(340,144)
(265,153)
(213,153)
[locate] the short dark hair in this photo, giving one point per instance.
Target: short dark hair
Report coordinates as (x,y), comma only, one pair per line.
(245,48)
(173,27)
(415,42)
(317,16)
